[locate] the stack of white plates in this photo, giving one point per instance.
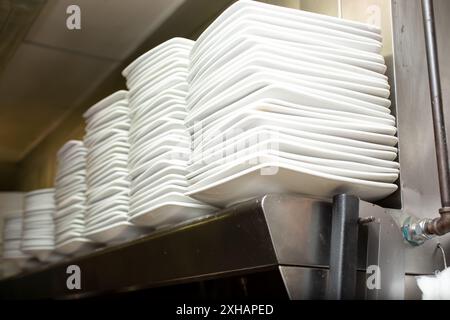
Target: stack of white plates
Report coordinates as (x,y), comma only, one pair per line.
(11,223)
(12,238)
(289,101)
(70,198)
(106,139)
(160,143)
(38,236)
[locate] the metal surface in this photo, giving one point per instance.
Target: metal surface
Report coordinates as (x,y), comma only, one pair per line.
(344,246)
(260,235)
(418,170)
(311,283)
(385,253)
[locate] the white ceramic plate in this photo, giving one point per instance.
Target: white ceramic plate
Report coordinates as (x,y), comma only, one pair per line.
(174,57)
(107,193)
(118,158)
(106,118)
(69,210)
(148,93)
(75,245)
(252,119)
(158,73)
(136,93)
(170,213)
(107,217)
(260,61)
(170,197)
(116,178)
(286,30)
(107,148)
(236,46)
(106,102)
(239,164)
(148,117)
(145,196)
(244,7)
(176,181)
(177,93)
(251,73)
(303,118)
(340,165)
(67,147)
(288,93)
(286,54)
(116,233)
(223,129)
(154,135)
(107,168)
(144,131)
(163,145)
(143,179)
(279,33)
(163,132)
(177,111)
(119,203)
(263,79)
(309,148)
(250,184)
(155,52)
(174,154)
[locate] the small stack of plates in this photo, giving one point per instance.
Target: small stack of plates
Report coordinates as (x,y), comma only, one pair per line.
(38,236)
(11,211)
(106,139)
(160,142)
(70,198)
(289,101)
(12,238)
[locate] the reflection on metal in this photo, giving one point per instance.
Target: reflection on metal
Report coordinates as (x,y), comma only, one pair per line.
(282,233)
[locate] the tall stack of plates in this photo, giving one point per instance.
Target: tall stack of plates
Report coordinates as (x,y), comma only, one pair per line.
(70,198)
(38,236)
(106,139)
(289,101)
(160,142)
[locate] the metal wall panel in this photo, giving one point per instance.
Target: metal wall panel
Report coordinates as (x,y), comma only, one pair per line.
(418,172)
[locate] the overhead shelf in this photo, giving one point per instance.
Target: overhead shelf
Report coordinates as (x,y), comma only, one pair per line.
(288,234)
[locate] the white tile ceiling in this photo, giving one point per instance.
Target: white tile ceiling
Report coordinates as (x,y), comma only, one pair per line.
(109,28)
(54,68)
(37,87)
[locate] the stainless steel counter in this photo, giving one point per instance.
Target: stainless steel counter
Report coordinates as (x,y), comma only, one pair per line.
(285,233)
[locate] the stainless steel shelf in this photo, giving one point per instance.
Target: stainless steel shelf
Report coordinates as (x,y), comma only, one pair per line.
(285,233)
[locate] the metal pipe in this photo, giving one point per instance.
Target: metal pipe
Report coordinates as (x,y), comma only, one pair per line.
(344,247)
(440,136)
(417,231)
(441,225)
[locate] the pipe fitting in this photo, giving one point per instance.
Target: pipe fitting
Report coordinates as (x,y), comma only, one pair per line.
(415,232)
(441,225)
